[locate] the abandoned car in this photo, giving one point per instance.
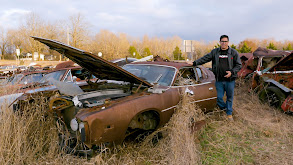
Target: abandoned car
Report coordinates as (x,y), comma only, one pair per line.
(7,70)
(276,85)
(139,96)
(24,78)
(260,60)
(47,85)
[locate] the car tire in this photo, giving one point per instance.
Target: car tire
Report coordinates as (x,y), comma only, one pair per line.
(273,96)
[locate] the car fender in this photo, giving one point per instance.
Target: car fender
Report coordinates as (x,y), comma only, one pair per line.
(279,85)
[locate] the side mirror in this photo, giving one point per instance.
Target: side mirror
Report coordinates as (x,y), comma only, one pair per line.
(74,78)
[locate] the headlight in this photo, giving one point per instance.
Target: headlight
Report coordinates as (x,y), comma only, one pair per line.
(81,126)
(74,124)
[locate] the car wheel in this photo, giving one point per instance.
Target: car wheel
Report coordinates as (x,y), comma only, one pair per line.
(273,96)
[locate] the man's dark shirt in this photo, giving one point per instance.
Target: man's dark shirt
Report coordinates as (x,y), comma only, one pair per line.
(223,65)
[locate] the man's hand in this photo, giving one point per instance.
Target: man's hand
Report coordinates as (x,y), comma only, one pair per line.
(228,74)
(189,62)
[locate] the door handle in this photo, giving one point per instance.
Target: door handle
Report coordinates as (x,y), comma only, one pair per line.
(211,88)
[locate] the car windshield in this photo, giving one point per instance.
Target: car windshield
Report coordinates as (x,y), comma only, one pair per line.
(14,79)
(53,75)
(31,78)
(163,75)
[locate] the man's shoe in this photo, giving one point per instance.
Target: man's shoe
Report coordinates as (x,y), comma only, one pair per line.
(230,118)
(222,109)
(225,109)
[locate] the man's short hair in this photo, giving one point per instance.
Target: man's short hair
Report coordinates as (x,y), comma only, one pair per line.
(224,36)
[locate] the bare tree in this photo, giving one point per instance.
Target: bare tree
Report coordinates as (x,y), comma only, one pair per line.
(34,26)
(3,42)
(78,31)
(112,46)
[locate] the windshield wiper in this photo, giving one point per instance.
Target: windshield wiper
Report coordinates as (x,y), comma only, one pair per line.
(157,79)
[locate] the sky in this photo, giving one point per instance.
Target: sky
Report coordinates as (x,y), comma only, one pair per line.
(201,20)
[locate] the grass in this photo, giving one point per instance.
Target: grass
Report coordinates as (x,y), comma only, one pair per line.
(259,135)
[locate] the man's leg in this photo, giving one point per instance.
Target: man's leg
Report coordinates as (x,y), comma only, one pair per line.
(220,94)
(229,93)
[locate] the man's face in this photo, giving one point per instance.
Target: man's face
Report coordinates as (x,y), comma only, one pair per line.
(224,43)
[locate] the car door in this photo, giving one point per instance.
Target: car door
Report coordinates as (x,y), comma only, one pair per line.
(197,85)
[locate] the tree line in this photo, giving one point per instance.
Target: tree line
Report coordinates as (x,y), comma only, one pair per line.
(75,31)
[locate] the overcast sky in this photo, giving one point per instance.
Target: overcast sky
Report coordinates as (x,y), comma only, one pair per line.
(189,19)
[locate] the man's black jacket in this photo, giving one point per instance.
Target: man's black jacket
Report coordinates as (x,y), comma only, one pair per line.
(233,61)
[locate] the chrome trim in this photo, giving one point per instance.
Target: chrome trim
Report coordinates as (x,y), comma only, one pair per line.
(204,100)
(276,72)
(191,85)
(190,102)
(65,77)
(168,108)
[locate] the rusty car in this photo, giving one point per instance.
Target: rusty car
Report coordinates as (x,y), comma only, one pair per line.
(47,85)
(62,75)
(18,95)
(24,78)
(276,85)
(20,82)
(258,61)
(7,70)
(139,96)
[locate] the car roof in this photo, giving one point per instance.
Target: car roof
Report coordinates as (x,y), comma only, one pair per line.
(259,52)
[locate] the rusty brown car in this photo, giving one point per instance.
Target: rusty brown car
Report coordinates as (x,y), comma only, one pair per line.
(276,85)
(259,61)
(139,96)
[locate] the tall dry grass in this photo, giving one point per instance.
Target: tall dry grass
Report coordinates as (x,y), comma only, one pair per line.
(31,137)
(259,135)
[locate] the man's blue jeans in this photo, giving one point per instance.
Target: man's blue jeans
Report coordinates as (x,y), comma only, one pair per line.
(228,87)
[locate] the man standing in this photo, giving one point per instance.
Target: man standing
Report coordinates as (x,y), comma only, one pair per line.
(225,65)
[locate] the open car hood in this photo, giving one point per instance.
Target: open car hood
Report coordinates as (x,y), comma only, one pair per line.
(101,68)
(285,64)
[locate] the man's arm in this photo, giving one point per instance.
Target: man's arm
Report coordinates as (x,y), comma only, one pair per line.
(237,63)
(206,58)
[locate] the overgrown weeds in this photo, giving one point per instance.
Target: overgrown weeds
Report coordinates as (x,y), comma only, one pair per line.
(259,135)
